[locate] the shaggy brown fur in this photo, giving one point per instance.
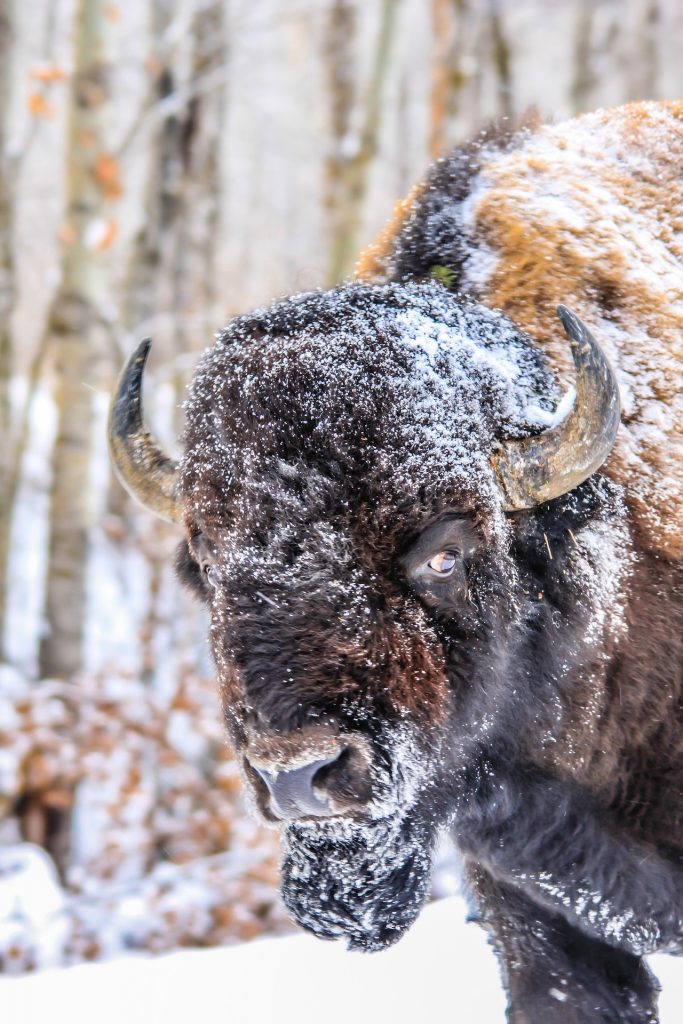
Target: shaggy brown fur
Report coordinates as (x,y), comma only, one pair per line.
(589,213)
(530,697)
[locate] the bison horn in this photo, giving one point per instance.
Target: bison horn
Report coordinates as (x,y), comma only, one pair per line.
(143,469)
(537,469)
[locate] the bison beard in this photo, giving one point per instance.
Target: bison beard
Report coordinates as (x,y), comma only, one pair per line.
(362,882)
(366,880)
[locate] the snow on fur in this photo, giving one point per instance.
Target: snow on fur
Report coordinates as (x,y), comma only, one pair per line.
(457,377)
(588,212)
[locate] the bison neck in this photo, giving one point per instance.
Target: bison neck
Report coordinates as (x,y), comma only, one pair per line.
(621,737)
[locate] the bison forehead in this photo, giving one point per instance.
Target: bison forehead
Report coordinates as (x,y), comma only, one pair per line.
(401,385)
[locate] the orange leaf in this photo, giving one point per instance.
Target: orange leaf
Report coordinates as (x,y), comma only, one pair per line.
(108,175)
(47,73)
(38,105)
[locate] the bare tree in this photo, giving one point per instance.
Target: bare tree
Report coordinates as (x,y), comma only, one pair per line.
(584,78)
(74,333)
(500,52)
(340,64)
(211,62)
(349,166)
(171,266)
(150,244)
(171,269)
(644,76)
(14,419)
(7,295)
(442,26)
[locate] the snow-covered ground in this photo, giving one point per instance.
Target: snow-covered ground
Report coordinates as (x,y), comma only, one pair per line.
(441,971)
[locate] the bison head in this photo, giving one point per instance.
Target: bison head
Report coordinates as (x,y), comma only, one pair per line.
(348,462)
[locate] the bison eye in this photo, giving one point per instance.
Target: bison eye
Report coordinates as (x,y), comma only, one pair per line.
(443,564)
(436,565)
(203,552)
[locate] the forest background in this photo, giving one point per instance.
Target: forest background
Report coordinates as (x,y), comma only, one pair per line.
(164,165)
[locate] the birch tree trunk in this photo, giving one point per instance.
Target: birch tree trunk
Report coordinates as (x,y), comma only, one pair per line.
(171,269)
(6,304)
(75,336)
(500,53)
(145,268)
(441,74)
(206,182)
(340,65)
(348,172)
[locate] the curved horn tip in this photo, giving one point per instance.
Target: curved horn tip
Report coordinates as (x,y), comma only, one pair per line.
(575,328)
(544,466)
(126,407)
(138,357)
(142,351)
(145,471)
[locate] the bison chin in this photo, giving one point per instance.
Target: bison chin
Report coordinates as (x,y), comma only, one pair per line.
(364,882)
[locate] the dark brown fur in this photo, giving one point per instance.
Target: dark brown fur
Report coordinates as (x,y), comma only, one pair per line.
(532,704)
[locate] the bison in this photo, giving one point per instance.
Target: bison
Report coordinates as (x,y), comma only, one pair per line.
(445,587)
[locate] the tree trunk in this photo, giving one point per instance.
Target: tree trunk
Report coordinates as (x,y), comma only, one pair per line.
(171,269)
(172,260)
(584,79)
(145,266)
(500,52)
(340,42)
(443,73)
(349,178)
(203,181)
(7,290)
(74,333)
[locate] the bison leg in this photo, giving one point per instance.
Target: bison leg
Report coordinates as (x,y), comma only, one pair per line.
(549,841)
(553,972)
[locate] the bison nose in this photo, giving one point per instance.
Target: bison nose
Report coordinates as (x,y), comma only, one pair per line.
(293,792)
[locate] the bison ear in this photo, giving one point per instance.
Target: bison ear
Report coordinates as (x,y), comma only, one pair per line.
(543,467)
(189,572)
(148,475)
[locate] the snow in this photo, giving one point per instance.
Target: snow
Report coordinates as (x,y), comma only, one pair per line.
(441,971)
(29,890)
(541,417)
(30,535)
(162,853)
(440,964)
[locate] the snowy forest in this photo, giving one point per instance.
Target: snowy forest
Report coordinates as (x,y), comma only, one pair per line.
(165,165)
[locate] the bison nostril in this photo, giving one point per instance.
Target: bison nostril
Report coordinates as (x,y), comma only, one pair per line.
(294,792)
(332,767)
(346,779)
